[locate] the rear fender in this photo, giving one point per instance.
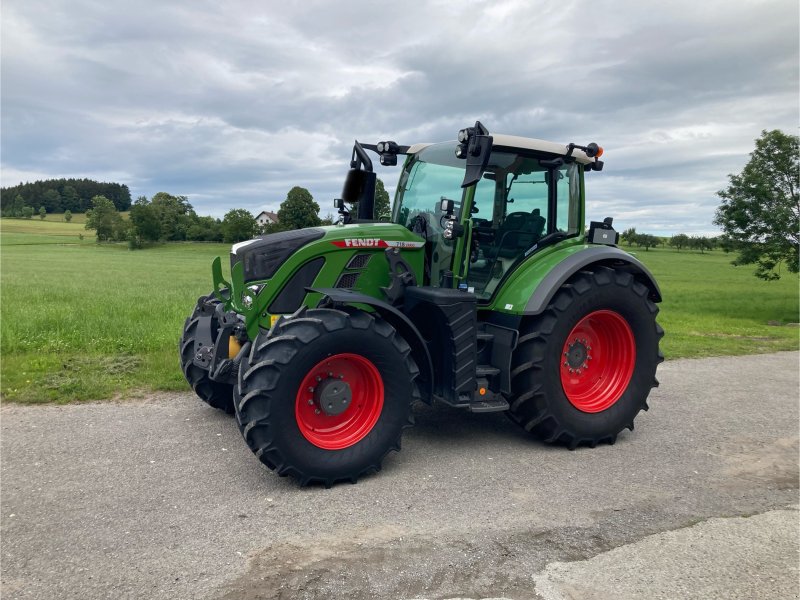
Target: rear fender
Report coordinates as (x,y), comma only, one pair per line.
(608,256)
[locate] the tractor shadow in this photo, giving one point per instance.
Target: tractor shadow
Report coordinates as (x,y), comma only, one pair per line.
(446,424)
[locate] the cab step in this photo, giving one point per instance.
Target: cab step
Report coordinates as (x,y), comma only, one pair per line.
(486,371)
(496,404)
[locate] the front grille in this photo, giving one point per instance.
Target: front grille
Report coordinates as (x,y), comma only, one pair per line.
(359,261)
(347,280)
(294,291)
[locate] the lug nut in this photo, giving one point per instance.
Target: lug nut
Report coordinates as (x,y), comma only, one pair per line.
(316,411)
(310,390)
(311,402)
(318,378)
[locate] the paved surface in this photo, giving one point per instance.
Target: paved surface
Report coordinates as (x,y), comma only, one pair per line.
(161,499)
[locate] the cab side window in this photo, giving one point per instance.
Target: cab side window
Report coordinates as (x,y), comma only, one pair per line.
(513,202)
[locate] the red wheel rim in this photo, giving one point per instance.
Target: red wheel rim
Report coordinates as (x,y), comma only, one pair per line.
(597,361)
(353,423)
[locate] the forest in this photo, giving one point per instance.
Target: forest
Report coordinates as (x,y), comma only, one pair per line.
(59,195)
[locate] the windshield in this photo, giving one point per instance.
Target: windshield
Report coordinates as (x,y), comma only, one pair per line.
(433,174)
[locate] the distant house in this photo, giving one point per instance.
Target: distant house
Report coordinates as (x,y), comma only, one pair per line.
(266,218)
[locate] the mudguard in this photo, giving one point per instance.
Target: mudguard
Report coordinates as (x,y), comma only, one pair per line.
(530,286)
(563,270)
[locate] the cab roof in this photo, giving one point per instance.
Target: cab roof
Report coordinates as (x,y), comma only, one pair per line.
(515,141)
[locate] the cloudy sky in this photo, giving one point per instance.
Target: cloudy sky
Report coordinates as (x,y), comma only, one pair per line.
(233,103)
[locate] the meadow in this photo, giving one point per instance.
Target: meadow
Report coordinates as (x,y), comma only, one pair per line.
(82,321)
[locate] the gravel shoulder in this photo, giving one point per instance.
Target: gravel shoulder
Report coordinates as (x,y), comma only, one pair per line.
(161,499)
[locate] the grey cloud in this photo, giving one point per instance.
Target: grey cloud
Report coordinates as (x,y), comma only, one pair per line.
(235,103)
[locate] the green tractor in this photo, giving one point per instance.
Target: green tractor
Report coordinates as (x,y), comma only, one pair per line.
(483,291)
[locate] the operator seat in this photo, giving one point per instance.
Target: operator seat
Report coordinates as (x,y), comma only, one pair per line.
(518,232)
(537,223)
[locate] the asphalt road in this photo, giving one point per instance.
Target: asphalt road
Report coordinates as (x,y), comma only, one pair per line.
(160,498)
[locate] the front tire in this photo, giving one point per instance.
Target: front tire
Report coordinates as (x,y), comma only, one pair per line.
(583,369)
(215,394)
(325,395)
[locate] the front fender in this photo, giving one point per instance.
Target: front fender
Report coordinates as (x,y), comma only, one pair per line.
(401,323)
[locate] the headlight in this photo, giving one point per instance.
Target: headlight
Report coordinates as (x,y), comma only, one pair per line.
(250,293)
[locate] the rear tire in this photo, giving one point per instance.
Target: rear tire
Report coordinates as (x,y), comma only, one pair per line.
(281,391)
(583,369)
(215,394)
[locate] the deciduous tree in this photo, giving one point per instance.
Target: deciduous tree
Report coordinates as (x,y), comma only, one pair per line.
(629,236)
(647,241)
(680,240)
(103,218)
(298,210)
(383,207)
(144,220)
(238,225)
(174,214)
(760,209)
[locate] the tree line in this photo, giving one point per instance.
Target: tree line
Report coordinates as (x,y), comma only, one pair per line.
(168,218)
(678,241)
(61,195)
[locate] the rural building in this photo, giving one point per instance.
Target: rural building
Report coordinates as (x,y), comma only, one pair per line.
(266,218)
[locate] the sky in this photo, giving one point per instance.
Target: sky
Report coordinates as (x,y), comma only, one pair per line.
(233,103)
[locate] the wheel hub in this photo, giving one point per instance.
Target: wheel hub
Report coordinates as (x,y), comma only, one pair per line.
(577,355)
(333,396)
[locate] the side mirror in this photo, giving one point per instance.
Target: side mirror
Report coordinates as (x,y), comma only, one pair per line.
(359,186)
(338,203)
(353,184)
(447,206)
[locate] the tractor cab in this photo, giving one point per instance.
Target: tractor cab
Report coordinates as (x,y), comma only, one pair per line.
(523,200)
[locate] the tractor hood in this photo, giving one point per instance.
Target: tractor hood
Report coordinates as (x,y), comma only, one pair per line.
(273,274)
(262,256)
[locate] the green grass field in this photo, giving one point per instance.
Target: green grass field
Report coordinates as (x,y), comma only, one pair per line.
(81,321)
(38,231)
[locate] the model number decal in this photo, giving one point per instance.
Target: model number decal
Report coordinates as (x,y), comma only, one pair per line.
(375,243)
